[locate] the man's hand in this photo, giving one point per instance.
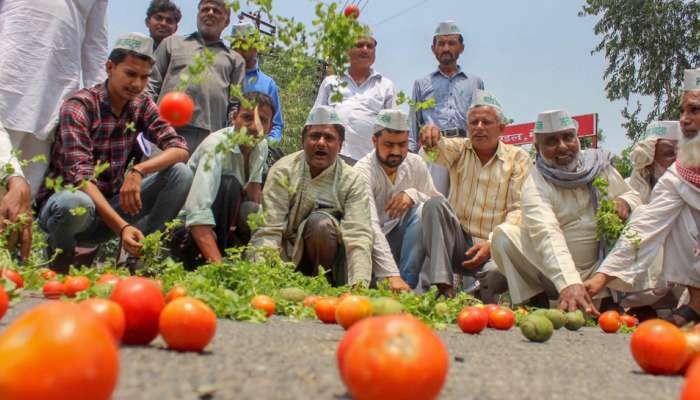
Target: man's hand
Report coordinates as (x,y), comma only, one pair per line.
(131,238)
(480,252)
(622,209)
(130,193)
(596,283)
(398,205)
(15,203)
(253,192)
(397,284)
(574,297)
(429,136)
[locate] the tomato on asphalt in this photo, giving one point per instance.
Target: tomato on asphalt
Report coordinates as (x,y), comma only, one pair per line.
(142,301)
(325,309)
(352,10)
(108,279)
(310,301)
(629,320)
(4,302)
(109,313)
(472,320)
(264,303)
(659,347)
(48,275)
(187,324)
(352,309)
(177,108)
(175,293)
(489,308)
(76,284)
(691,387)
(392,357)
(14,276)
(692,342)
(610,321)
(54,289)
(502,319)
(57,351)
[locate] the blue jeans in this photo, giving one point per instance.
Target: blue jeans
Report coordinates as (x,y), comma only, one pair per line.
(162,197)
(406,245)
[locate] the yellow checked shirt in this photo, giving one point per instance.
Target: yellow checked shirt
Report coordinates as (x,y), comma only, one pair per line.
(291,194)
(484,196)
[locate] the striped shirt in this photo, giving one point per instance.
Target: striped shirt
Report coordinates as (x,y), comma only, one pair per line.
(484,196)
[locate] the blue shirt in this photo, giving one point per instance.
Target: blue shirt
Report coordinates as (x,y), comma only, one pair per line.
(452,99)
(257,81)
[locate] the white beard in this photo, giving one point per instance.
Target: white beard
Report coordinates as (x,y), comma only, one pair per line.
(689,151)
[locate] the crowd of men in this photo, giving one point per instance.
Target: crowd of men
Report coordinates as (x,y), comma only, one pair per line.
(429,198)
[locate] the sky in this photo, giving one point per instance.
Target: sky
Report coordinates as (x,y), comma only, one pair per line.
(533,55)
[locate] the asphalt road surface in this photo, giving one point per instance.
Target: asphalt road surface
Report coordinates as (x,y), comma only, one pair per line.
(285,359)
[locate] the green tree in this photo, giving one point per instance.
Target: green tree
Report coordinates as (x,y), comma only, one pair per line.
(647,44)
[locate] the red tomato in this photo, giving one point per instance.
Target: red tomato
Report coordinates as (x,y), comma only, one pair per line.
(691,388)
(48,275)
(393,357)
(502,319)
(175,293)
(659,347)
(109,313)
(177,108)
(187,324)
(489,308)
(264,303)
(352,10)
(142,301)
(344,345)
(108,279)
(692,342)
(325,309)
(56,334)
(4,302)
(14,277)
(310,301)
(54,289)
(610,321)
(629,320)
(75,284)
(472,320)
(352,309)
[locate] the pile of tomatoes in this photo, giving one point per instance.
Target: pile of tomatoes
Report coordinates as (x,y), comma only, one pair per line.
(48,335)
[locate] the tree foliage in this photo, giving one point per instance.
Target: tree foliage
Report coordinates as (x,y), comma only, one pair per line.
(647,44)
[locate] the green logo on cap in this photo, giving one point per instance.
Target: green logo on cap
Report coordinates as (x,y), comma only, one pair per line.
(565,121)
(385,118)
(539,125)
(454,28)
(697,81)
(129,43)
(492,100)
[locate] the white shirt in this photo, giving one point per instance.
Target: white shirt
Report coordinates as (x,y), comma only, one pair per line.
(412,178)
(358,109)
(671,222)
(46,47)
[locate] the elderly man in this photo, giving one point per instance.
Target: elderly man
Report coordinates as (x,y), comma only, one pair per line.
(555,247)
(50,49)
(487,178)
(364,93)
(652,156)
(317,206)
(452,90)
(96,134)
(212,96)
(670,222)
(255,80)
(15,197)
(227,185)
(399,183)
(162,18)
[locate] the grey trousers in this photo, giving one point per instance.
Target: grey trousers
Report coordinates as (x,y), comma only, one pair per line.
(322,247)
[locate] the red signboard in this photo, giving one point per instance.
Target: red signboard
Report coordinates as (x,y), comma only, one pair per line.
(522,133)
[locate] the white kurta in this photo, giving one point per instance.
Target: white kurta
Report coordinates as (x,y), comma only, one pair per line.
(47,46)
(670,223)
(557,239)
(412,178)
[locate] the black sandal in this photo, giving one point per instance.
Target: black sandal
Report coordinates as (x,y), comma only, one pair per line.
(687,313)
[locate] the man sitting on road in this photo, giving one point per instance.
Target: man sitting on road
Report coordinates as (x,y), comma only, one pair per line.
(317,208)
(97,130)
(670,222)
(555,248)
(652,156)
(487,177)
(15,197)
(399,183)
(227,184)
